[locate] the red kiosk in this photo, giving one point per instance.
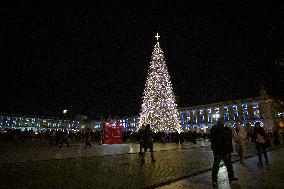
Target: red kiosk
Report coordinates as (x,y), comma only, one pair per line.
(112,133)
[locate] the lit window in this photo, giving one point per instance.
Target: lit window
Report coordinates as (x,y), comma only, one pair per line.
(256,114)
(236,115)
(209,118)
(255,105)
(226,108)
(227,117)
(217,110)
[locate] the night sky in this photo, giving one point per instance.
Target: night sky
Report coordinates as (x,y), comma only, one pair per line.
(92,57)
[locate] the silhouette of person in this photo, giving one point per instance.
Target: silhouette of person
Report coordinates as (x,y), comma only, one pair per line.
(147,143)
(221,145)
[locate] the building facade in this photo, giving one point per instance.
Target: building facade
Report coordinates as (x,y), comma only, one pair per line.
(38,123)
(244,111)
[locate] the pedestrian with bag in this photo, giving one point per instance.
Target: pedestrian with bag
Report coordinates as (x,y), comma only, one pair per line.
(258,138)
(221,145)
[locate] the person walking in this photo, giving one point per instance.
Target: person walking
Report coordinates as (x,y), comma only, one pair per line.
(60,138)
(147,143)
(239,136)
(221,145)
(267,138)
(276,136)
(88,138)
(258,138)
(65,137)
(140,139)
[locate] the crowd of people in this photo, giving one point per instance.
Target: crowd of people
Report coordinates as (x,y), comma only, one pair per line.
(162,137)
(222,137)
(56,136)
(53,137)
(94,136)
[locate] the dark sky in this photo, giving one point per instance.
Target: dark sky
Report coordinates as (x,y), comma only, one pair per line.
(92,57)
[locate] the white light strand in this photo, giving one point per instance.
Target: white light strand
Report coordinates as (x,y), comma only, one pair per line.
(159,108)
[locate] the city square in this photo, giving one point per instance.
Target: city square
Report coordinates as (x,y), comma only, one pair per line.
(38,164)
(147,94)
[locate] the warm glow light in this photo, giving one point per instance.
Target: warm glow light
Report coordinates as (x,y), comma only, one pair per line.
(158,107)
(216,116)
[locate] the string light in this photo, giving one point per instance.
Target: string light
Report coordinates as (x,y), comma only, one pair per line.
(158,107)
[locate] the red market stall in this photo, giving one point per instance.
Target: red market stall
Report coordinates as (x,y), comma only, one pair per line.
(112,133)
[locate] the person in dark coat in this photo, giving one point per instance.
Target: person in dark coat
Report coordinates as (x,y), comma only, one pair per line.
(276,136)
(60,138)
(140,139)
(88,138)
(147,143)
(193,137)
(221,145)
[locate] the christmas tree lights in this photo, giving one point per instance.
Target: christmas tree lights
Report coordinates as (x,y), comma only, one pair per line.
(158,107)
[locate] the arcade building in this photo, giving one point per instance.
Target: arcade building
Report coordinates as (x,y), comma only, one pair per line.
(264,109)
(36,124)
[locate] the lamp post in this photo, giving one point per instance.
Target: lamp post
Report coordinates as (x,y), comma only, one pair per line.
(64,116)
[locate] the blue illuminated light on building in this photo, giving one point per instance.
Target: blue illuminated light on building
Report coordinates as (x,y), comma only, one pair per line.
(245,111)
(209,112)
(35,124)
(203,116)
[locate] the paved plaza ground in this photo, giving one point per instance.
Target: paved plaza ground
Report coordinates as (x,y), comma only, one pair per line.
(250,175)
(40,165)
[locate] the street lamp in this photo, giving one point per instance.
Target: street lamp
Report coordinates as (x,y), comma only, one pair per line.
(64,116)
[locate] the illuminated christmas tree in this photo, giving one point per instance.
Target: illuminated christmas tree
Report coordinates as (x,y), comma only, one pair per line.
(159,108)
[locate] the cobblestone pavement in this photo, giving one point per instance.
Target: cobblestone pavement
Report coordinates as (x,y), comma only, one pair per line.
(250,175)
(101,166)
